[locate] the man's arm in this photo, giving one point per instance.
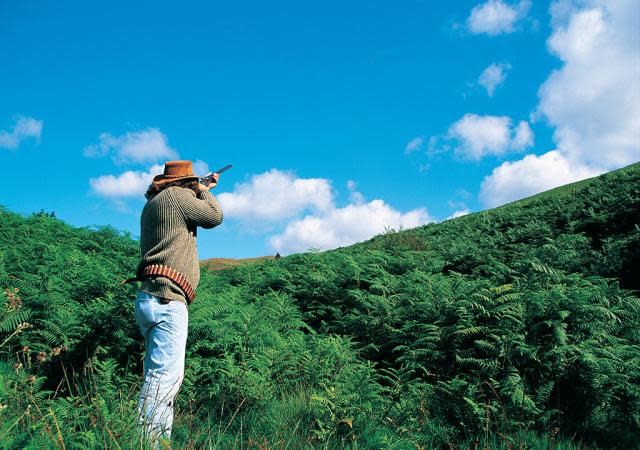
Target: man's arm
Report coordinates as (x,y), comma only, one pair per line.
(202,210)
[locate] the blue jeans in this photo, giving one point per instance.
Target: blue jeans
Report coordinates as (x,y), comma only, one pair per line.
(164,328)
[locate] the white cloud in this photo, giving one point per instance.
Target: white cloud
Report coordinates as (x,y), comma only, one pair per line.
(522,136)
(128,184)
(143,146)
(414,145)
(354,196)
(304,212)
(593,100)
(496,17)
(530,175)
(276,196)
(479,136)
(459,213)
(24,128)
(493,76)
(344,226)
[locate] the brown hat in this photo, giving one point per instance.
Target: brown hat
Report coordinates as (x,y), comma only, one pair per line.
(174,171)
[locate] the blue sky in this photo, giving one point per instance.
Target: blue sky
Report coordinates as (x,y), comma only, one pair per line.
(341,119)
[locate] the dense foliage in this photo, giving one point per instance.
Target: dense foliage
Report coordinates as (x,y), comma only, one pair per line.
(515,327)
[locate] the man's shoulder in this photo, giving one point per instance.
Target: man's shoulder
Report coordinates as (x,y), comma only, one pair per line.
(180,191)
(171,195)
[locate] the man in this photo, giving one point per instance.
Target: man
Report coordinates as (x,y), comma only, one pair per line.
(177,203)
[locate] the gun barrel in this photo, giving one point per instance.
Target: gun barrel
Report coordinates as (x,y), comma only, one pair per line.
(224,169)
(206,180)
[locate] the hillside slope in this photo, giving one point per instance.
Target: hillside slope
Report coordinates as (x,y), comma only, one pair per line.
(510,327)
(227,263)
(520,300)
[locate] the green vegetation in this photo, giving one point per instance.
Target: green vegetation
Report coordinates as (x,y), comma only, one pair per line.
(512,328)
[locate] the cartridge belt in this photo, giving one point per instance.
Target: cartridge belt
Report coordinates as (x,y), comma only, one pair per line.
(160,270)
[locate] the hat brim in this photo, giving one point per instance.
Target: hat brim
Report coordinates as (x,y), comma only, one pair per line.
(163,179)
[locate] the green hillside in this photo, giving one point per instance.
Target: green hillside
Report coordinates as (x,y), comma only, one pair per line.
(517,327)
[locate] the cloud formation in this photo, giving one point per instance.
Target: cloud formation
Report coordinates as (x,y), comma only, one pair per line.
(530,175)
(142,146)
(132,183)
(344,226)
(276,196)
(592,101)
(459,213)
(354,196)
(478,136)
(24,128)
(414,145)
(493,76)
(304,211)
(522,136)
(495,17)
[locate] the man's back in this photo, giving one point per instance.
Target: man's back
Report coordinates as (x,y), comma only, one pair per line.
(168,231)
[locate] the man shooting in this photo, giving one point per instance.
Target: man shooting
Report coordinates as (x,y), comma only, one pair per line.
(177,204)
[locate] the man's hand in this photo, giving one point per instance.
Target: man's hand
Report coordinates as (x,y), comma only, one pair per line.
(212,184)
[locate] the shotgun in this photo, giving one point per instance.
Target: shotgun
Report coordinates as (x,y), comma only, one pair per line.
(206,180)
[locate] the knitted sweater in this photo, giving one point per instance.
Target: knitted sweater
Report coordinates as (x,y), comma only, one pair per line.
(168,231)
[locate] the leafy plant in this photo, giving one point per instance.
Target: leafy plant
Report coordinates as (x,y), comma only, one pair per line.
(517,327)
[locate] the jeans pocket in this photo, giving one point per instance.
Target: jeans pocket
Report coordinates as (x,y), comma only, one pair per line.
(145,311)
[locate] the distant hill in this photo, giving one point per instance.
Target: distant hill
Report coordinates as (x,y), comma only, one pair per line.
(226,263)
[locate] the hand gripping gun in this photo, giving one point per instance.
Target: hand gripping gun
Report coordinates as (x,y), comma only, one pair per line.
(208,179)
